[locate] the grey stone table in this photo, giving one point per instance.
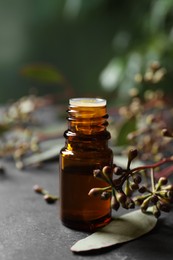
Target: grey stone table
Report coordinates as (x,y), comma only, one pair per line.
(30,229)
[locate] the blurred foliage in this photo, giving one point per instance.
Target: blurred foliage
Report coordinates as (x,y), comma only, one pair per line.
(99,45)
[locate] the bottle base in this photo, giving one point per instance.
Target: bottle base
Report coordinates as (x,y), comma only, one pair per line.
(87,226)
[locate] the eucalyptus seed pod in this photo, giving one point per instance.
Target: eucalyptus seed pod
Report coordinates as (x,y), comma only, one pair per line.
(137,179)
(139,200)
(169,195)
(95,192)
(156,212)
(162,181)
(129,203)
(107,172)
(38,189)
(105,195)
(114,203)
(163,206)
(132,154)
(166,133)
(154,198)
(98,174)
(117,170)
(2,169)
(50,199)
(134,186)
(145,204)
(142,189)
(127,189)
(169,187)
(121,197)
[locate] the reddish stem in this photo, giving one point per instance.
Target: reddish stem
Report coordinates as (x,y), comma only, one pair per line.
(154,165)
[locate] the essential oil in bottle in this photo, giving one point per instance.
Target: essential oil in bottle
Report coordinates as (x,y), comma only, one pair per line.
(86,149)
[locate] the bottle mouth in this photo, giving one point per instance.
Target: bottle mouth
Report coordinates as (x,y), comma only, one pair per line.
(87,102)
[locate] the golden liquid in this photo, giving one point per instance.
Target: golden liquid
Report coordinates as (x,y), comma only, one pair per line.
(78,209)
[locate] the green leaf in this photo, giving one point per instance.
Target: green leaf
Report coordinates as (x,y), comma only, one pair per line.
(43,73)
(127,127)
(123,229)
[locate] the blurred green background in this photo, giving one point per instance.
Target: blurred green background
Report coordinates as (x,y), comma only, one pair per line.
(95,47)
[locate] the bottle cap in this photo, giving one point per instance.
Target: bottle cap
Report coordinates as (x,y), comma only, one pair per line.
(87,102)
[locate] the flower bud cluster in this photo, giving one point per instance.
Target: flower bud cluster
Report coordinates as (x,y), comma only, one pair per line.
(160,198)
(124,183)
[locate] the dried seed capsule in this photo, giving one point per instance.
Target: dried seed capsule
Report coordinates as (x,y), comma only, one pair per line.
(163,206)
(134,186)
(38,189)
(169,187)
(145,205)
(166,132)
(107,171)
(156,212)
(97,173)
(139,200)
(105,195)
(121,197)
(142,189)
(137,179)
(132,154)
(95,192)
(169,195)
(129,203)
(50,199)
(114,203)
(2,170)
(154,199)
(162,181)
(117,170)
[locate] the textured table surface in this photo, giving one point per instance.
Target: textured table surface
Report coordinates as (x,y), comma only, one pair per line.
(31,229)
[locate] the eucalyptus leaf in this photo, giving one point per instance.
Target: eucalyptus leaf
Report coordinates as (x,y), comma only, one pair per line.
(43,73)
(122,229)
(127,127)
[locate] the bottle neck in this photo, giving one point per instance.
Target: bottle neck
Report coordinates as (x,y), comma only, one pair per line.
(87,120)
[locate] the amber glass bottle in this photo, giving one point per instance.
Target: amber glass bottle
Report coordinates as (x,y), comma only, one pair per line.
(86,149)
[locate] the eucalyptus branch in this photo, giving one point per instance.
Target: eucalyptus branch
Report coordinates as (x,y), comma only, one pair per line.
(123,183)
